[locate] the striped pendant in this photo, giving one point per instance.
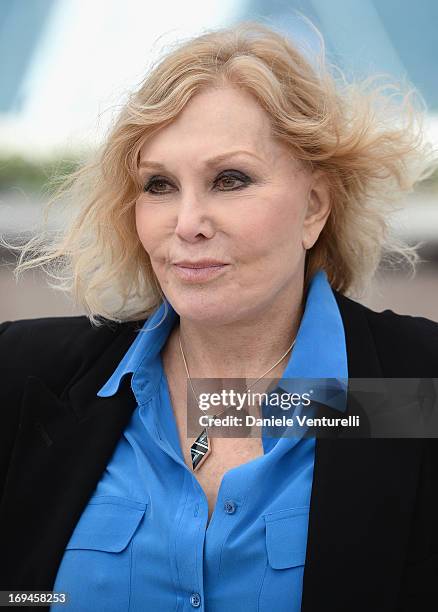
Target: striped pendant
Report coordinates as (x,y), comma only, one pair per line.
(200,450)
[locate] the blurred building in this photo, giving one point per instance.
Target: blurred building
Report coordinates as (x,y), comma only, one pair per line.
(22,28)
(397,37)
(71,63)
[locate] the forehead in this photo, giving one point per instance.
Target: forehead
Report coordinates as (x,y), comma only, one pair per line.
(212,122)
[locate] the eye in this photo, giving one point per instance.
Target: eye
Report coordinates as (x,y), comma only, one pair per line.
(156,183)
(232,176)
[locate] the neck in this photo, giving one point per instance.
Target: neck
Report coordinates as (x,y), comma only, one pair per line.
(243,348)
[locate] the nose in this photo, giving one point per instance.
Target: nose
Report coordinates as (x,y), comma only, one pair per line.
(193,219)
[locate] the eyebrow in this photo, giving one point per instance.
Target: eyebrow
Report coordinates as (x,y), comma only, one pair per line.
(208,163)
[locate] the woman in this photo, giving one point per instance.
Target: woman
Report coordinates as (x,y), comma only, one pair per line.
(241,194)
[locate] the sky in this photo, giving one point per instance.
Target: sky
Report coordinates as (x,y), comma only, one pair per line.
(90,56)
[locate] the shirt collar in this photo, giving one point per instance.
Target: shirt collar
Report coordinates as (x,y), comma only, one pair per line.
(320,354)
(143,352)
(319,351)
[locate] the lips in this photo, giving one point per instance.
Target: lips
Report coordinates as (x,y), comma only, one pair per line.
(203,263)
(199,271)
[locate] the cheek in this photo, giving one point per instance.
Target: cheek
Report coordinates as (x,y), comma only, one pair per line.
(140,222)
(277,229)
(148,227)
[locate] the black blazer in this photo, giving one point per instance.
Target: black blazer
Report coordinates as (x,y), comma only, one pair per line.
(373,527)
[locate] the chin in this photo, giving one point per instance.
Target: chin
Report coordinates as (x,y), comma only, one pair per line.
(213,308)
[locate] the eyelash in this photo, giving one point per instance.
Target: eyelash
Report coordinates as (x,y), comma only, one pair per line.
(229,175)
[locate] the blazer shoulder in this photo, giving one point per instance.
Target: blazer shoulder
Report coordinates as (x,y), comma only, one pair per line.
(49,333)
(400,338)
(406,330)
(43,325)
(54,347)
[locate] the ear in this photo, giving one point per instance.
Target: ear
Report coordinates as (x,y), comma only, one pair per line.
(317,210)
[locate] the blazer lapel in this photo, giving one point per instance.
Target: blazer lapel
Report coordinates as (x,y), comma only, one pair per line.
(362,502)
(61,451)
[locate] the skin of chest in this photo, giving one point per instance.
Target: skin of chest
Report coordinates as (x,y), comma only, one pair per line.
(227,452)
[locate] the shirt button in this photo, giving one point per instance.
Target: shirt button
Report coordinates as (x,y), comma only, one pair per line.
(230,506)
(195,600)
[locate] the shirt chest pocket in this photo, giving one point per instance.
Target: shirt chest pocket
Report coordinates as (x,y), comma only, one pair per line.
(286,543)
(96,566)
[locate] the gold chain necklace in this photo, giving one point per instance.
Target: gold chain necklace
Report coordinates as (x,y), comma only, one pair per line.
(201,447)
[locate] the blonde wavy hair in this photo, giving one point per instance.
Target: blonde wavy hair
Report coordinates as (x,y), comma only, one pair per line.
(366,137)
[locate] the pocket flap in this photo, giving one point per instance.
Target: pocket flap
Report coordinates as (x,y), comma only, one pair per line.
(286,537)
(107,523)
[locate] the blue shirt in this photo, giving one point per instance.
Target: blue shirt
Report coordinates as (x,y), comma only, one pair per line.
(143,542)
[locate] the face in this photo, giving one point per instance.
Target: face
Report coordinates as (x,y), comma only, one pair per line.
(220,194)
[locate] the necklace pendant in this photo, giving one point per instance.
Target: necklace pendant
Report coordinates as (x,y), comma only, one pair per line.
(200,450)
